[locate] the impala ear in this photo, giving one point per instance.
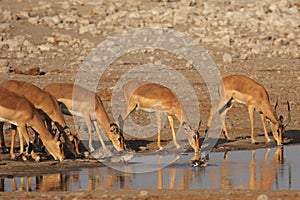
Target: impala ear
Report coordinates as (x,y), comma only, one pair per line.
(114,128)
(186,126)
(199,125)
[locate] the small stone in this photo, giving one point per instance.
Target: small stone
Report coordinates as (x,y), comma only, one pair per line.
(44,47)
(227,58)
(244,56)
(143,193)
(263,197)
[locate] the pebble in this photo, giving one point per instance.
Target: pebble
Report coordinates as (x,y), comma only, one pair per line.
(263,197)
(143,193)
(227,58)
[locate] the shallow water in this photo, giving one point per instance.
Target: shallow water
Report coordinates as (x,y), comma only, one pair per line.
(274,169)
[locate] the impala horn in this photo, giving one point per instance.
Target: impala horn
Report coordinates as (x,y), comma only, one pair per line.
(275,109)
(199,125)
(280,118)
(289,115)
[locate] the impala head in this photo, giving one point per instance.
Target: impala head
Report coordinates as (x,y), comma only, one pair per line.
(70,141)
(117,137)
(193,136)
(55,148)
(279,128)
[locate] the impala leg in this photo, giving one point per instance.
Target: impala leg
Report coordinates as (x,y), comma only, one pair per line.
(12,145)
(99,135)
(210,116)
(88,122)
(23,131)
(171,121)
(130,106)
(3,145)
(223,120)
(14,130)
(158,119)
(251,115)
(212,113)
(262,117)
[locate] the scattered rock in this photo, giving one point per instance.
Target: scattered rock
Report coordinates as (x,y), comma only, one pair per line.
(32,71)
(263,197)
(143,193)
(227,58)
(233,25)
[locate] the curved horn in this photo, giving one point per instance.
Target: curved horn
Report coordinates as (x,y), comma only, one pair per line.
(289,115)
(199,125)
(275,109)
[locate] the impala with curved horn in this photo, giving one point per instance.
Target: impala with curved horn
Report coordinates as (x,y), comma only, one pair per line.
(153,97)
(245,90)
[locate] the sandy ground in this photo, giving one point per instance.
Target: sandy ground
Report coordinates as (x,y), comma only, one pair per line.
(279,74)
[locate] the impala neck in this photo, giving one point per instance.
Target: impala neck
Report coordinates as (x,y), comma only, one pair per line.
(269,113)
(102,116)
(40,128)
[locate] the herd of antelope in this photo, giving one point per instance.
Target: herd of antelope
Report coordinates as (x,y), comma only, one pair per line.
(24,105)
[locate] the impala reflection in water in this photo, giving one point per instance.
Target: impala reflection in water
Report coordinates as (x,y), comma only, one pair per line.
(262,169)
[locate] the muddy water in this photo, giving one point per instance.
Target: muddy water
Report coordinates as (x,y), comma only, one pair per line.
(274,169)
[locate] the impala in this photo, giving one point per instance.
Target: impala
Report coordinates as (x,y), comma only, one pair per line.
(242,89)
(88,105)
(17,110)
(45,102)
(153,97)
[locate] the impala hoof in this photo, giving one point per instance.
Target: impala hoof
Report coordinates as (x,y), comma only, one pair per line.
(24,158)
(227,139)
(13,157)
(37,159)
(92,149)
(254,142)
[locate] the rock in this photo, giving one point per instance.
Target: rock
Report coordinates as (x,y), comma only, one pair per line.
(15,43)
(55,19)
(143,193)
(227,58)
(32,13)
(44,47)
(90,28)
(244,56)
(63,38)
(4,27)
(263,197)
(273,8)
(4,63)
(65,5)
(6,15)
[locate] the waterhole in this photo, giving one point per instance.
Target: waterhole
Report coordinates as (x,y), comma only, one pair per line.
(271,169)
